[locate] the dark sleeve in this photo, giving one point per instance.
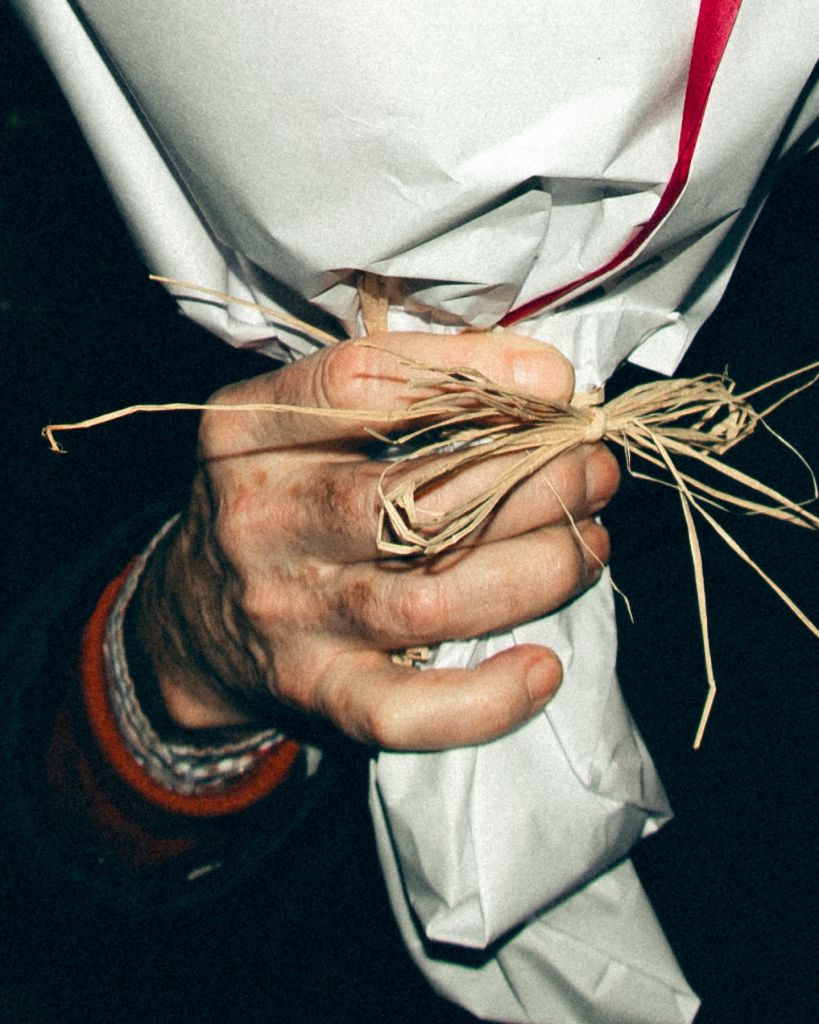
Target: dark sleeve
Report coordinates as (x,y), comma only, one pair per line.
(273,913)
(75,798)
(97,785)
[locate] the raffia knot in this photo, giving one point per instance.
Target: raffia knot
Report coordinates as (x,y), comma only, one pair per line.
(596,426)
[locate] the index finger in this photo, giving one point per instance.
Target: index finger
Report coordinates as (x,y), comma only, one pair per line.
(373,376)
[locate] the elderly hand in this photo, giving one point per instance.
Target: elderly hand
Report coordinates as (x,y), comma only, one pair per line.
(272,590)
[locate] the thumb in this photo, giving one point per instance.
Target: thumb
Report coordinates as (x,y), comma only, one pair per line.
(399,708)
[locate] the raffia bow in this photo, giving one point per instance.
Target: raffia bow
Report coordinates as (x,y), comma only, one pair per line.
(471,419)
(699,418)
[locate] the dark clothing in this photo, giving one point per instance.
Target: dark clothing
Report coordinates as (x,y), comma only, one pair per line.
(292,926)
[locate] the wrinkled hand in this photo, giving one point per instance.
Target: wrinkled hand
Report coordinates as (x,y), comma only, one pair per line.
(272,588)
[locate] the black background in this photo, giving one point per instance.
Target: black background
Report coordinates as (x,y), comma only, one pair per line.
(83,332)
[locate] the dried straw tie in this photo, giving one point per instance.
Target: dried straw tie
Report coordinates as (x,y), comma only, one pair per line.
(472,419)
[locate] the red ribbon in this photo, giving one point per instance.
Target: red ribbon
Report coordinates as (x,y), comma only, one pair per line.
(714,24)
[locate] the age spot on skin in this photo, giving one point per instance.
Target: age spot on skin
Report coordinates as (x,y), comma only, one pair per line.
(355,603)
(345,504)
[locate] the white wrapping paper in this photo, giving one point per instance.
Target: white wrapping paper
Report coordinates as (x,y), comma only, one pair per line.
(537,812)
(483,154)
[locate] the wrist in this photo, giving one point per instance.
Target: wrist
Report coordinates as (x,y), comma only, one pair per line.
(203,675)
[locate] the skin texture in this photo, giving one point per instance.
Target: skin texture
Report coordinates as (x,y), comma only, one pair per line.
(271,590)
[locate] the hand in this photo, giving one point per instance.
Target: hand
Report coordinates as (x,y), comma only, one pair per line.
(272,588)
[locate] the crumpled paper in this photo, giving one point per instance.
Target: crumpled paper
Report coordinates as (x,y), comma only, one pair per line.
(523,829)
(599,957)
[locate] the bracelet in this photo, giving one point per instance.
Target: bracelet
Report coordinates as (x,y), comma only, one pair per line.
(184,767)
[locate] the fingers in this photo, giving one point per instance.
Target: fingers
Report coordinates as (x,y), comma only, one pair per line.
(329,508)
(468,593)
(371,376)
(580,483)
(398,708)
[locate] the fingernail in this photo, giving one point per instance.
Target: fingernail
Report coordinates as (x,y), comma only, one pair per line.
(542,368)
(542,681)
(593,482)
(593,534)
(602,477)
(531,370)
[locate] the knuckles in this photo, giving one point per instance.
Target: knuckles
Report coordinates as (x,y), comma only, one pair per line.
(345,500)
(408,608)
(419,607)
(219,430)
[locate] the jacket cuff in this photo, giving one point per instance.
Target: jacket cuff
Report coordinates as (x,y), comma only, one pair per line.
(266,772)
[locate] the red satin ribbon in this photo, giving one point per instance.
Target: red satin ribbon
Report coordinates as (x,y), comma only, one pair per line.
(714,24)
